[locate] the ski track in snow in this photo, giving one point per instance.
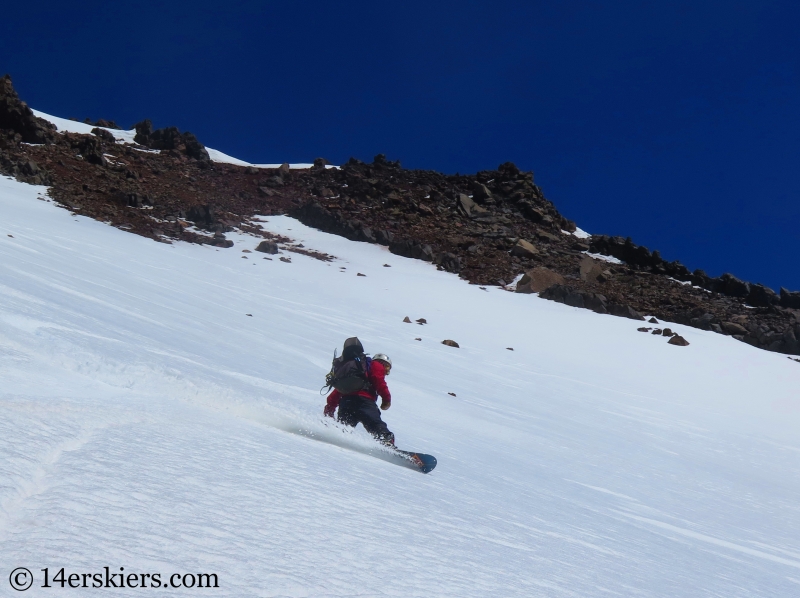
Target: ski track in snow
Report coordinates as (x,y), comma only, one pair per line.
(149,423)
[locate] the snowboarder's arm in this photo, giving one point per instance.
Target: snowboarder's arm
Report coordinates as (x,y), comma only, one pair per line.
(333,403)
(377,377)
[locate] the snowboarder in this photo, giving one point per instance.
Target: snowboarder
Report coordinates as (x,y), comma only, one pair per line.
(358,381)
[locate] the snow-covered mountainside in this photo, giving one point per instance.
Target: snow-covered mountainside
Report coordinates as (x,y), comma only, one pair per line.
(161,413)
(490,227)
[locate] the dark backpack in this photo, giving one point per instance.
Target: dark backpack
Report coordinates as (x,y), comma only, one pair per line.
(349,372)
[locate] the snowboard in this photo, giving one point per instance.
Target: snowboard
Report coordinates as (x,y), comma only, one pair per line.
(419,461)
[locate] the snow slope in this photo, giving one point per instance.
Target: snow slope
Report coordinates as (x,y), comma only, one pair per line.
(149,423)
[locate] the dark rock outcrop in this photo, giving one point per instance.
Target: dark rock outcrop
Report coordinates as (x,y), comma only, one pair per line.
(170,138)
(315,215)
(104,135)
(586,299)
(761,296)
(17,117)
(790,299)
(90,148)
(449,262)
(202,216)
(728,284)
(640,257)
(637,256)
(25,170)
(624,311)
(106,124)
(412,249)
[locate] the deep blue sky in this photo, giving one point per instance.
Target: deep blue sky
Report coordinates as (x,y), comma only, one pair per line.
(675,123)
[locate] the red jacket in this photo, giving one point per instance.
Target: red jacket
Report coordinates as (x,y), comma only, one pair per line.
(376,377)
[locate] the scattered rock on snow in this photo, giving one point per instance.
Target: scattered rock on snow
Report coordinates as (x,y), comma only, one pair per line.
(679,341)
(422,321)
(450,343)
(407,320)
(267,247)
(652,321)
(286,259)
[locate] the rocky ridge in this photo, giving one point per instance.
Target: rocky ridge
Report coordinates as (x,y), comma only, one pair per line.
(489,227)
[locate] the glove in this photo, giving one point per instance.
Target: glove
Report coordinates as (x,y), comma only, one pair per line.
(329,411)
(385,404)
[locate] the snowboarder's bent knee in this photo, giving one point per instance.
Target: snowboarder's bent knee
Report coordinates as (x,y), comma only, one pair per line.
(358,381)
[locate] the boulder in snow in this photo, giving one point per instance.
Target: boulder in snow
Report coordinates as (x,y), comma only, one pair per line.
(538,279)
(733,328)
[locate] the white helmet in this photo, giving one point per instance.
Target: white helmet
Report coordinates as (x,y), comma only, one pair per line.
(385,359)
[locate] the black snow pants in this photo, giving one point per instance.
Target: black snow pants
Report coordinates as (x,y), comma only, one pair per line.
(354,409)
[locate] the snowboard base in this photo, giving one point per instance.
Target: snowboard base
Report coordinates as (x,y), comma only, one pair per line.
(419,461)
